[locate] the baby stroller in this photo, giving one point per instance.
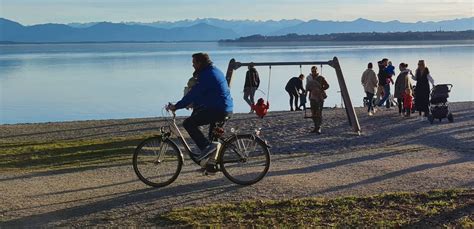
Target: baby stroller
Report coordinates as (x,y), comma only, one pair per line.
(439,103)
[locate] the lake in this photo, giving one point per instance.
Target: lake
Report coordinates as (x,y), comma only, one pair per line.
(64,82)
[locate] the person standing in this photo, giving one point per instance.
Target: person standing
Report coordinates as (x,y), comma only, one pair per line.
(422,93)
(369,81)
(408,101)
(252,81)
(385,78)
(293,87)
(381,77)
(317,94)
(401,84)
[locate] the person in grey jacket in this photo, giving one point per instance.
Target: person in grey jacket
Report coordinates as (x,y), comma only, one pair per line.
(370,81)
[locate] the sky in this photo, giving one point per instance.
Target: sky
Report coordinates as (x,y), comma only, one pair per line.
(29,12)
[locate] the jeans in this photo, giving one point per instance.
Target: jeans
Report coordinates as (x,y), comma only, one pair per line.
(200,118)
(370,97)
(249,95)
(386,96)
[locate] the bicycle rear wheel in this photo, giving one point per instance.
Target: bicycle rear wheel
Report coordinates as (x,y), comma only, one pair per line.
(245,159)
(157,163)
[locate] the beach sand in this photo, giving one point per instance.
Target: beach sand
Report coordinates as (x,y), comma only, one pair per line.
(392,153)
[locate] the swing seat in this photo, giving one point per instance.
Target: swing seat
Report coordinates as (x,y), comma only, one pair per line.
(261,108)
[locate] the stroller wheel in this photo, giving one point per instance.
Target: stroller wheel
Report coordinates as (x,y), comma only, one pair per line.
(430,118)
(450,117)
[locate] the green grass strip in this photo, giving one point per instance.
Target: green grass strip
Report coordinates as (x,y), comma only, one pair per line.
(436,208)
(67,154)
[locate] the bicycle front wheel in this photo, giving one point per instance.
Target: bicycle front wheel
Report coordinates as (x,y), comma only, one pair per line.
(157,163)
(245,159)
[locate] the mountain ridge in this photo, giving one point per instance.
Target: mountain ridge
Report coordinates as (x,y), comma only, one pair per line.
(208,29)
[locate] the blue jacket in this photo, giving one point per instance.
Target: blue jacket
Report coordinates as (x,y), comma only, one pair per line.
(210,92)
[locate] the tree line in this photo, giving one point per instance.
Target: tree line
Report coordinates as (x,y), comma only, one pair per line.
(367,36)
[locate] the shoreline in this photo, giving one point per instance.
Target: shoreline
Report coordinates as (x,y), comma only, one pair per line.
(126,119)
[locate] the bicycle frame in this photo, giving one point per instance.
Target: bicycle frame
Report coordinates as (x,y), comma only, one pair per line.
(174,130)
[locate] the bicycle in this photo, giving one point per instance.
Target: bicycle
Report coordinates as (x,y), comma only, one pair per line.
(243,158)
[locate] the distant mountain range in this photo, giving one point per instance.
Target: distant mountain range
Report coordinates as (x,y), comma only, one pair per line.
(208,29)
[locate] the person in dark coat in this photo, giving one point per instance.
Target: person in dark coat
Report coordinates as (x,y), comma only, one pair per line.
(384,81)
(293,87)
(252,81)
(422,92)
(401,84)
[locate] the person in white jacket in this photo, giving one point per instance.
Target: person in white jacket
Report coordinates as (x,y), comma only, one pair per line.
(369,81)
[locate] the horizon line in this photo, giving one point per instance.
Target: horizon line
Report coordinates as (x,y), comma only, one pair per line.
(255,20)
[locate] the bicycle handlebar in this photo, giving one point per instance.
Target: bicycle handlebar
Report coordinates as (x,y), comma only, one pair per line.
(167,108)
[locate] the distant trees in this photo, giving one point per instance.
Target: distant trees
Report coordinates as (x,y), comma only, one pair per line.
(373,36)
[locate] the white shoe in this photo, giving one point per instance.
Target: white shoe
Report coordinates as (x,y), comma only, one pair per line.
(371,114)
(375,110)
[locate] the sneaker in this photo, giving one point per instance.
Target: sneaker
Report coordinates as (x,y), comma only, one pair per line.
(375,110)
(370,113)
(316,130)
(210,170)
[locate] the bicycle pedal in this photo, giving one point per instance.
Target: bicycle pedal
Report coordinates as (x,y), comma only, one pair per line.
(208,173)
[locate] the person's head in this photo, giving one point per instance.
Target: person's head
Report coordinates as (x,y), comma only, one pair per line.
(421,64)
(402,66)
(314,71)
(384,61)
(260,101)
(408,91)
(370,65)
(390,63)
(301,76)
(251,66)
(201,60)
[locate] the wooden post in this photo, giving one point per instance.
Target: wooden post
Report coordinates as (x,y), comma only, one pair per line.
(353,121)
(230,71)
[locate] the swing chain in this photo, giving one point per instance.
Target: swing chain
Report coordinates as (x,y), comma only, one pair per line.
(269,78)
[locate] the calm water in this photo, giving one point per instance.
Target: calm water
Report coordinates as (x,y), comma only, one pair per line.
(60,82)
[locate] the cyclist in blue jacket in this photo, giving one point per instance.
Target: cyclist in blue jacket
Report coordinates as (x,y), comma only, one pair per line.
(211,101)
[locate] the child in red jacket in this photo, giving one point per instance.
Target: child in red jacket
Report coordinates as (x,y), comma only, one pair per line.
(261,108)
(407,101)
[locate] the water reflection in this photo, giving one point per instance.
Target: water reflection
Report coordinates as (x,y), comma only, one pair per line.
(100,81)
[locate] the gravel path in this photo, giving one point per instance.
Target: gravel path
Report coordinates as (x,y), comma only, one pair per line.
(392,154)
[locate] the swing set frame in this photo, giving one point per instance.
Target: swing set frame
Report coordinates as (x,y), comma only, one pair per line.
(351,115)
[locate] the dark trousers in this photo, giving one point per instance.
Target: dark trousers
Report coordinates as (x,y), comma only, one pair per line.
(293,95)
(400,105)
(370,97)
(317,111)
(200,118)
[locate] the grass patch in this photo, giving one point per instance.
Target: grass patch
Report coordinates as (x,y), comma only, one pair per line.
(33,156)
(437,208)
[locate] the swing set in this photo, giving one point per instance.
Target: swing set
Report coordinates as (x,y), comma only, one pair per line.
(351,115)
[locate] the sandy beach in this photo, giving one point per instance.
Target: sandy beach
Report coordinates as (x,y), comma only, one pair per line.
(392,153)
